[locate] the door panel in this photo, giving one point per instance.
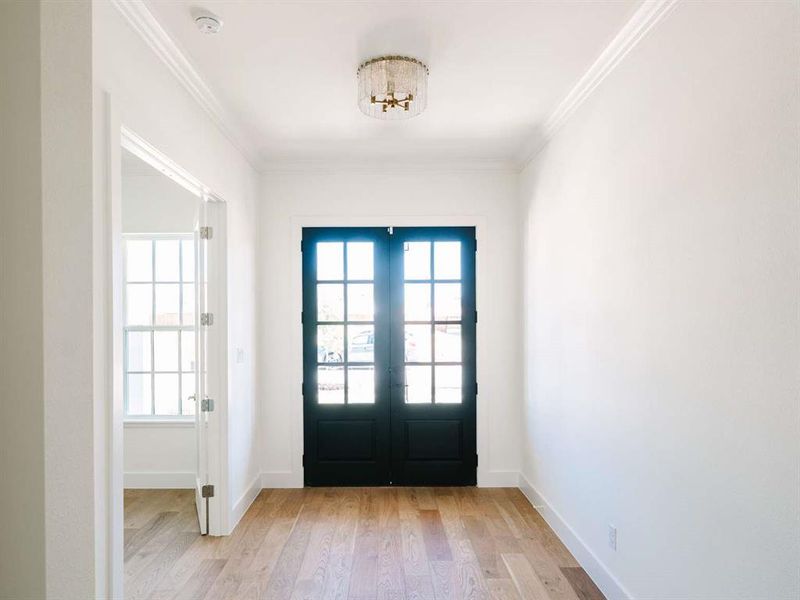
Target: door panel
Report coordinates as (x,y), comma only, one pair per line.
(389,356)
(434,386)
(202,351)
(345,337)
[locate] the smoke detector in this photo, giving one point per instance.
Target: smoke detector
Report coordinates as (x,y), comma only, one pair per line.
(208,23)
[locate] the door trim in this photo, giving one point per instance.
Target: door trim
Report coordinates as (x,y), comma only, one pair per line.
(109,282)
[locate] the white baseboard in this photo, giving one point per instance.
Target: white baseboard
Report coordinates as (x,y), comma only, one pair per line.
(290,479)
(281,479)
(492,479)
(599,573)
(244,502)
(158,480)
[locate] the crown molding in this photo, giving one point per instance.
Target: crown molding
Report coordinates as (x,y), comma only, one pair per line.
(151,31)
(433,165)
(649,13)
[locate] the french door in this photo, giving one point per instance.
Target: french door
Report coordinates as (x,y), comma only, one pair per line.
(389,356)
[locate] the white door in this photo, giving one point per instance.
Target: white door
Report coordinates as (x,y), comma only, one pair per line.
(207,340)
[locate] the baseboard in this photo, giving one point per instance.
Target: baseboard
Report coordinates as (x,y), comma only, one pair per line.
(244,502)
(158,480)
(599,573)
(290,479)
(492,479)
(281,479)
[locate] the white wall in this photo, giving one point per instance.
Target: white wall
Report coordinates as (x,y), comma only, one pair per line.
(160,456)
(22,505)
(356,196)
(156,204)
(150,101)
(47,528)
(662,336)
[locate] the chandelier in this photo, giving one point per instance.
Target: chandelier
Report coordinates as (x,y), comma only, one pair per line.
(392,87)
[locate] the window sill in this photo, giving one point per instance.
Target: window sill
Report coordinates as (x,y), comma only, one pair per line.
(159,422)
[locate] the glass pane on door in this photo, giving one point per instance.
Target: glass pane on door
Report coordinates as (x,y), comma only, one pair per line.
(350,304)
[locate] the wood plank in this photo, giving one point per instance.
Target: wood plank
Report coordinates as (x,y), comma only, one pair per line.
(503,589)
(436,544)
(281,582)
(468,580)
(486,551)
(147,581)
(528,583)
(541,530)
(583,585)
(277,514)
(310,581)
(184,568)
(416,571)
(390,584)
(544,564)
(364,574)
(202,580)
(135,542)
(337,577)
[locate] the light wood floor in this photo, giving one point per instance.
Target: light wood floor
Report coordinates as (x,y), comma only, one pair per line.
(359,543)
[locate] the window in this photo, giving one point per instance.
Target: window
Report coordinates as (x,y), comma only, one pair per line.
(345,311)
(159,333)
(432,306)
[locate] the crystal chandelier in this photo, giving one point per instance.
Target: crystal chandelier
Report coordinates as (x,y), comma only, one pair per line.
(392,87)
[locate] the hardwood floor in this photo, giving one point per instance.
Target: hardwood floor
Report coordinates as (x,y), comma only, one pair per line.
(356,543)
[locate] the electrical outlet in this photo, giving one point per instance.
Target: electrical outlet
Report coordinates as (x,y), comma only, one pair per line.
(612,537)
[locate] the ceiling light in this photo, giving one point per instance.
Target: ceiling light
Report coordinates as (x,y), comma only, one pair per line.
(392,87)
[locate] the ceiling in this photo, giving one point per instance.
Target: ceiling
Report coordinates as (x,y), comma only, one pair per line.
(286,71)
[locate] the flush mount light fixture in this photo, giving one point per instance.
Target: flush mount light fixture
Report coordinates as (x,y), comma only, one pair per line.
(392,87)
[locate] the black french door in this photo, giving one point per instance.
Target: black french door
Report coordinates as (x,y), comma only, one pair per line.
(389,356)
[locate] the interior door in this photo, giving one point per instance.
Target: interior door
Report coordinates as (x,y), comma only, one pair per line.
(389,356)
(434,384)
(345,355)
(203,384)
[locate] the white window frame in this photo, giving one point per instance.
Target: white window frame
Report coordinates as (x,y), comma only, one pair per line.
(155,418)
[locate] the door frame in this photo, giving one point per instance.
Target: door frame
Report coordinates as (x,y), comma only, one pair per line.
(295,476)
(116,137)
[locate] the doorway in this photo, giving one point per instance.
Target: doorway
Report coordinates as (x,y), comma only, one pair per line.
(389,356)
(168,331)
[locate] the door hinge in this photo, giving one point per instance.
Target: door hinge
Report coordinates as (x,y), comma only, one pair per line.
(207,491)
(302,317)
(303,460)
(206,233)
(301,245)
(476,460)
(207,319)
(476,316)
(476,244)
(207,405)
(476,388)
